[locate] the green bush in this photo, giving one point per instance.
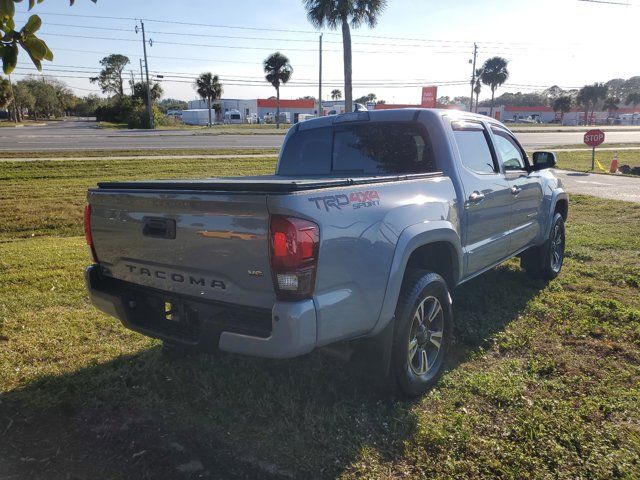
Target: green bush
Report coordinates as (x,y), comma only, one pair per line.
(129,110)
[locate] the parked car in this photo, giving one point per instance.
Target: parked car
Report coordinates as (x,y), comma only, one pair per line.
(285,117)
(306,116)
(252,119)
(356,242)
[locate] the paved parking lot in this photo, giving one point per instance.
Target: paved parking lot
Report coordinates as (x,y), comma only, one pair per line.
(615,187)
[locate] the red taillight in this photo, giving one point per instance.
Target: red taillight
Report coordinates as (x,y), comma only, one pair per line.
(87,232)
(294,256)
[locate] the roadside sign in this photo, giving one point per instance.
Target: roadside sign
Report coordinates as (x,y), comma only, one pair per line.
(429,95)
(593,138)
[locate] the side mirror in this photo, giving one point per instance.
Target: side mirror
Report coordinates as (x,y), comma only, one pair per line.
(543,160)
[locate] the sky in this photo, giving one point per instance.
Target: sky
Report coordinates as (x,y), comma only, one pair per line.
(416,42)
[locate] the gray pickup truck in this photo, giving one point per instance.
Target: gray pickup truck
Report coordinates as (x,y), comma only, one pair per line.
(370,220)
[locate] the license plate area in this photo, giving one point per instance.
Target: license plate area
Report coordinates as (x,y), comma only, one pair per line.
(167,316)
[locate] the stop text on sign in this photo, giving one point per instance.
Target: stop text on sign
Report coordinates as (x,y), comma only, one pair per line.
(593,138)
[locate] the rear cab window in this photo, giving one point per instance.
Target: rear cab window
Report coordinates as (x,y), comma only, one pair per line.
(371,148)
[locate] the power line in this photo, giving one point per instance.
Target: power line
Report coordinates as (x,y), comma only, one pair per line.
(237,47)
(179,74)
(137,55)
(261,82)
(314,32)
(607,2)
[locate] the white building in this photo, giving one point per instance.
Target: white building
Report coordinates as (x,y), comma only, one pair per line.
(251,108)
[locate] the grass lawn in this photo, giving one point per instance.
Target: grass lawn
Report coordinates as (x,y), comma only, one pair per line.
(544,382)
(582,160)
(47,197)
(582,146)
(266,129)
(25,123)
(137,152)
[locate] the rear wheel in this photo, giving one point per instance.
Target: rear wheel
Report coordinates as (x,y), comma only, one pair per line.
(422,332)
(546,260)
(175,351)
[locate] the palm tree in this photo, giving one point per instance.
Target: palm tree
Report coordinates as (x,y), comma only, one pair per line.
(584,99)
(562,104)
(209,88)
(337,94)
(478,86)
(334,13)
(278,71)
(589,96)
(611,104)
(494,74)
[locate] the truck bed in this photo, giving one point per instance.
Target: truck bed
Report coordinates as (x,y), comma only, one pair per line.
(268,184)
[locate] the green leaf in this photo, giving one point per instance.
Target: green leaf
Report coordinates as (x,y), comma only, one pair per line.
(36,48)
(7,8)
(32,3)
(9,58)
(49,54)
(33,24)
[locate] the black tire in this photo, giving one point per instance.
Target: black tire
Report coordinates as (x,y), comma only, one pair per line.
(174,351)
(421,288)
(545,261)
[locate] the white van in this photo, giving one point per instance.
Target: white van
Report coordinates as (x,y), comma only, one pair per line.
(232,117)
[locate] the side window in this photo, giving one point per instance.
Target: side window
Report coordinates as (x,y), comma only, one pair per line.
(509,152)
(473,146)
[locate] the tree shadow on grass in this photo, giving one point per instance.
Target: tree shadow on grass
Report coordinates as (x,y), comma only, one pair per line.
(141,416)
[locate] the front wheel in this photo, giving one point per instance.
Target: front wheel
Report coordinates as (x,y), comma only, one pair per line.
(422,332)
(546,260)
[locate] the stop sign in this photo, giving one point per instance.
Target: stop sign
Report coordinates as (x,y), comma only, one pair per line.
(593,138)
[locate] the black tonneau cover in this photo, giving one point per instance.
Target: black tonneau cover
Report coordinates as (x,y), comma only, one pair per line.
(260,184)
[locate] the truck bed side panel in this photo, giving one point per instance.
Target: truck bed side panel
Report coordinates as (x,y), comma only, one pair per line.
(359,230)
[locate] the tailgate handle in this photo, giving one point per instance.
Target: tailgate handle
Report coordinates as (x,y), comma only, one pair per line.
(158,227)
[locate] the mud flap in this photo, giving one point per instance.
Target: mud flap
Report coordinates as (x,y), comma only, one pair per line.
(372,356)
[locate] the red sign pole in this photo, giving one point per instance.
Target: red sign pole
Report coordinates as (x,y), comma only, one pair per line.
(593,138)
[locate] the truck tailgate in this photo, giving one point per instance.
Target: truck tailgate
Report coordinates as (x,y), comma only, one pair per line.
(213,246)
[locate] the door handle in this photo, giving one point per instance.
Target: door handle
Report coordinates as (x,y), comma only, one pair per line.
(515,190)
(158,227)
(476,197)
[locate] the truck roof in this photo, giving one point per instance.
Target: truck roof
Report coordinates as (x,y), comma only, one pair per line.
(391,115)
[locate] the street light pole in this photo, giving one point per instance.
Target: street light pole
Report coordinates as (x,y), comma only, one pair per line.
(473,75)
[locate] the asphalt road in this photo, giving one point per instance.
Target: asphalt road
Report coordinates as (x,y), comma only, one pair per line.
(81,135)
(615,187)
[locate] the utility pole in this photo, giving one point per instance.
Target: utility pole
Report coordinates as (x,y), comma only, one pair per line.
(473,75)
(132,82)
(320,81)
(141,74)
(146,70)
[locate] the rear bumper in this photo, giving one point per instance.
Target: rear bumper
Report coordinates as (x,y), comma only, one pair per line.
(287,330)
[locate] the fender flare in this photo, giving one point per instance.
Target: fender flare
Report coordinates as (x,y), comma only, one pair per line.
(410,240)
(557,195)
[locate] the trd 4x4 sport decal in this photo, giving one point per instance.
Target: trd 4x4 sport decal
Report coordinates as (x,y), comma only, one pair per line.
(364,199)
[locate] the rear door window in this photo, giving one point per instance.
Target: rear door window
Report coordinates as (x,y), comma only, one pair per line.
(362,149)
(510,153)
(473,145)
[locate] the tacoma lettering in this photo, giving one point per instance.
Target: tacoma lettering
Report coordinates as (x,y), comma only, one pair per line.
(176,277)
